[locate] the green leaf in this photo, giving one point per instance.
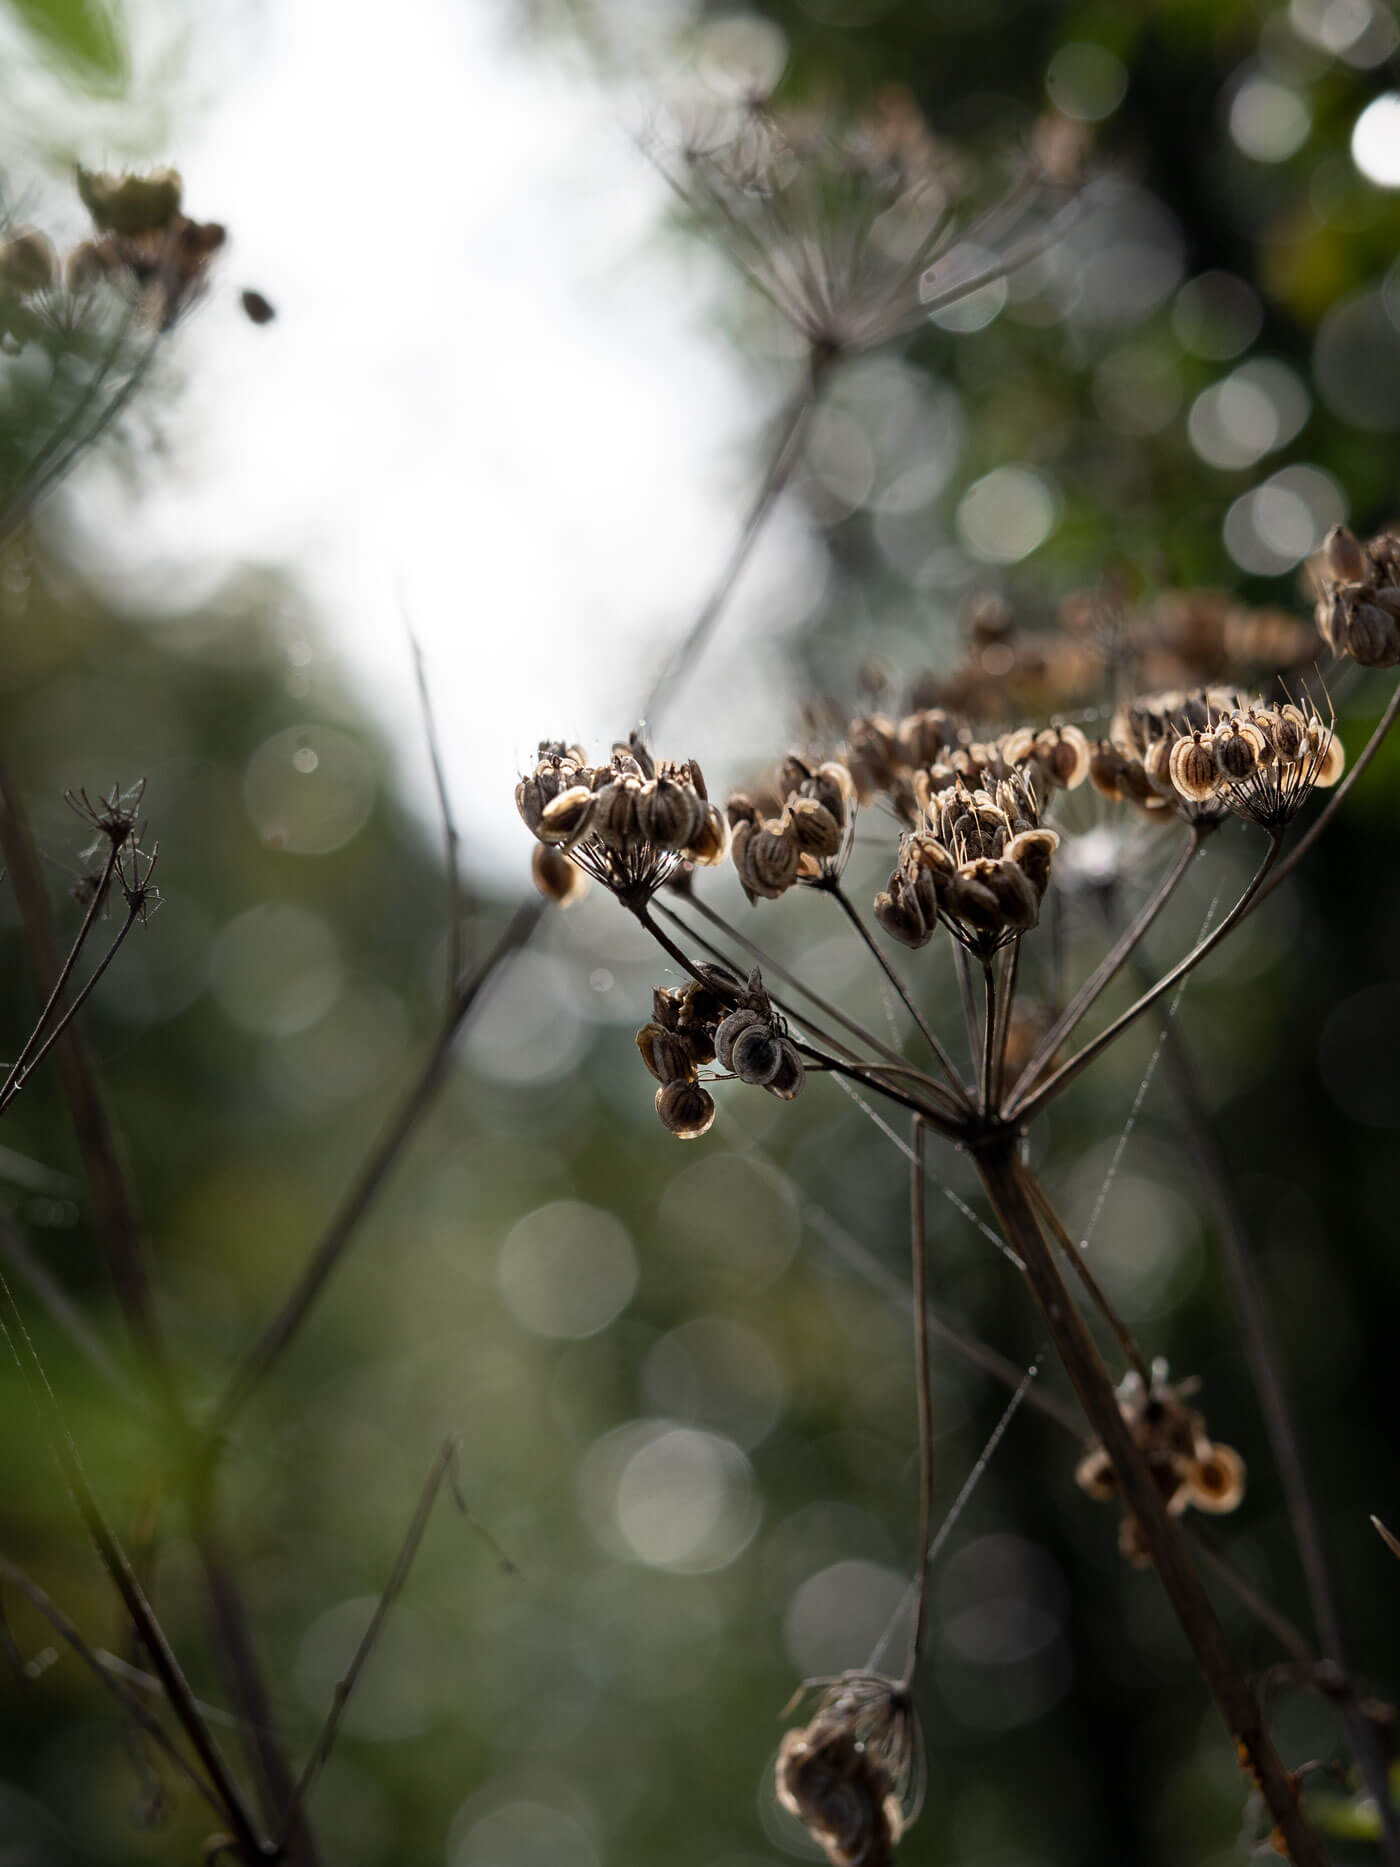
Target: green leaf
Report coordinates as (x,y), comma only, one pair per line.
(82,32)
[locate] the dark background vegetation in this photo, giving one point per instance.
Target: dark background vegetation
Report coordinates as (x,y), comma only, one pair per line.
(594,1707)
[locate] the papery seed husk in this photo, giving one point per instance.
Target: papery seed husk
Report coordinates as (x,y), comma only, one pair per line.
(970,898)
(729,1029)
(1216,1481)
(1236,754)
(669,815)
(770,856)
(568,816)
(557,879)
(813,828)
(1331,762)
(1031,851)
(710,844)
(685,1109)
(791,1075)
(665,1053)
(756,1054)
(898,913)
(1345,559)
(1017,898)
(1192,768)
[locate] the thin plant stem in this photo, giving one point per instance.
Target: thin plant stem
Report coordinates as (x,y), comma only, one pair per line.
(848,908)
(451,841)
(1262,1359)
(964,972)
(1109,966)
(95,906)
(123,1578)
(1075,1254)
(989,1035)
(340,1233)
(16,1083)
(63,1311)
(780,468)
(1010,969)
(398,1575)
(918,1226)
(1006,1183)
(779,971)
(134,1707)
(1022,1111)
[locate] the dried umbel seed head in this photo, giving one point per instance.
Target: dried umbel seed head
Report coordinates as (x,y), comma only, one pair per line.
(1358,608)
(685,1109)
(556,877)
(840,1795)
(853,1776)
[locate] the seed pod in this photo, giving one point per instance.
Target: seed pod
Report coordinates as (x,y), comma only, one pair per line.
(557,879)
(1018,900)
(665,1054)
(710,844)
(1290,734)
(741,809)
(1018,746)
(870,754)
(1215,1479)
(669,814)
(840,1794)
(1370,636)
(813,828)
(1095,1475)
(971,899)
(1345,559)
(568,816)
(614,817)
(898,911)
(831,785)
(1331,761)
(28,263)
(1064,751)
(766,858)
(1235,750)
(731,1027)
(1031,851)
(1191,768)
(756,1053)
(686,1110)
(1107,771)
(791,1074)
(920,737)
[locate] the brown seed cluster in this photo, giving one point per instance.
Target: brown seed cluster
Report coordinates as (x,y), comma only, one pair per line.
(1210,753)
(630,823)
(853,1775)
(980,863)
(144,242)
(1358,607)
(797,829)
(715,1019)
(1188,1468)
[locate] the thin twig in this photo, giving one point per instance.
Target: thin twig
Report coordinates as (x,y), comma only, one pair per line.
(1023,1111)
(451,841)
(123,1578)
(929,1036)
(1107,969)
(126,1698)
(1006,1182)
(398,1575)
(1075,1254)
(272,1343)
(62,1310)
(780,468)
(16,1083)
(919,1241)
(95,906)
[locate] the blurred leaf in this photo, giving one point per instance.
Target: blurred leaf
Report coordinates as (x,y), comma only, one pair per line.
(82,32)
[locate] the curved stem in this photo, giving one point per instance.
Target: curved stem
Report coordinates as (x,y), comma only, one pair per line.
(848,908)
(1108,967)
(1007,1183)
(1023,1111)
(919,1238)
(17,1069)
(1075,1254)
(780,469)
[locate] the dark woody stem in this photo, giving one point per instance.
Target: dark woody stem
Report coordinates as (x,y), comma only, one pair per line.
(1006,1183)
(1261,1355)
(1107,969)
(918,1183)
(946,1063)
(1022,1111)
(95,907)
(1075,1254)
(1010,970)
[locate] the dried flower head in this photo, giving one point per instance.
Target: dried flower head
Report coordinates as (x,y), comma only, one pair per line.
(853,1776)
(1358,604)
(144,243)
(629,824)
(113,817)
(843,225)
(1187,1467)
(797,827)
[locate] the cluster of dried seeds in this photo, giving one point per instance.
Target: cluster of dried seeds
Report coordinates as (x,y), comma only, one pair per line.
(1358,607)
(798,829)
(1188,1467)
(853,1775)
(1210,753)
(715,1019)
(630,824)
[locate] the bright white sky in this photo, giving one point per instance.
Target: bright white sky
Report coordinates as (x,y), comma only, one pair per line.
(492,380)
